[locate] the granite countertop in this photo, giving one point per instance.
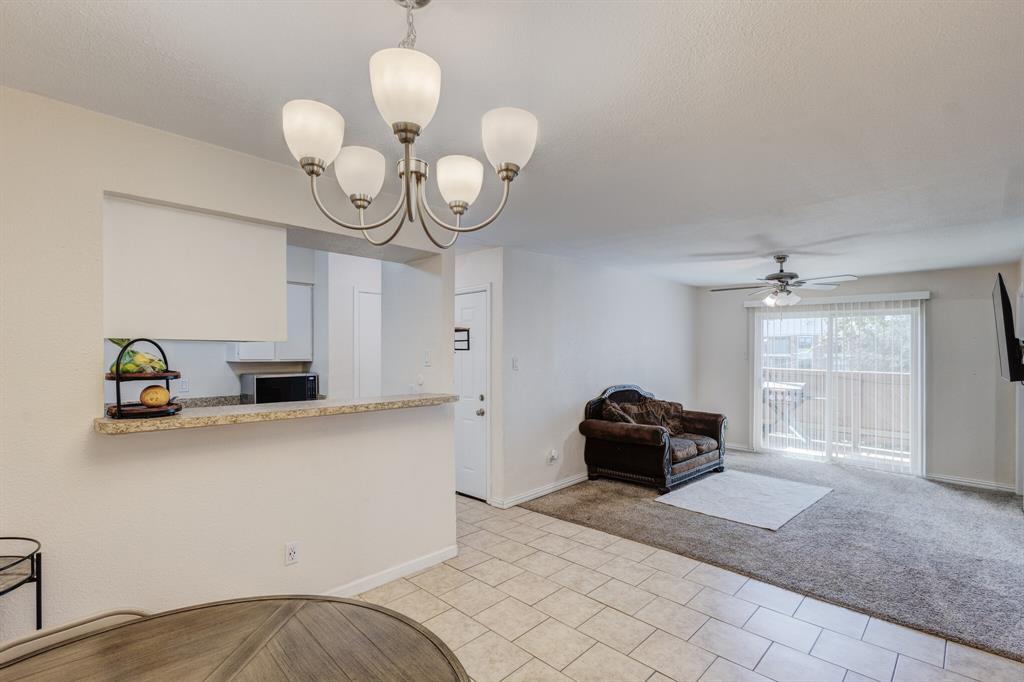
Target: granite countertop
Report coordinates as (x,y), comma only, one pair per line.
(192,418)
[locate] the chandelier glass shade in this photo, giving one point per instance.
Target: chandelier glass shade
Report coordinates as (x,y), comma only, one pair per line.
(312,129)
(360,170)
(459,178)
(509,136)
(406,87)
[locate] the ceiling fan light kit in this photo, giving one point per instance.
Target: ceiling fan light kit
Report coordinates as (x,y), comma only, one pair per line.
(779,285)
(406,87)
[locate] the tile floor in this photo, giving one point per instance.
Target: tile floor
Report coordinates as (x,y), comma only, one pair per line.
(531,598)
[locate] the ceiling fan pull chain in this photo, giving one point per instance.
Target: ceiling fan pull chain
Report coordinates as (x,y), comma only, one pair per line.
(409,42)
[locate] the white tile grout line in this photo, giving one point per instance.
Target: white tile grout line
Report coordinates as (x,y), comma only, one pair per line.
(803,597)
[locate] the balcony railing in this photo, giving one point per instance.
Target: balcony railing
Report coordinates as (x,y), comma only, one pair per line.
(843,414)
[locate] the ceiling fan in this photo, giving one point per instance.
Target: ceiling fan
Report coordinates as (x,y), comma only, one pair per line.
(780,285)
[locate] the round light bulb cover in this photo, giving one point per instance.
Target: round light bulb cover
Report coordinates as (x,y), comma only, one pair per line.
(360,170)
(312,129)
(459,178)
(509,136)
(406,85)
(771,300)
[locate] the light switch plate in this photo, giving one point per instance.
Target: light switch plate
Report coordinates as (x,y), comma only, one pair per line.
(515,363)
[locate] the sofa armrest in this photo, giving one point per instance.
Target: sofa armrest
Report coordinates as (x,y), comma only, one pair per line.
(705,423)
(640,434)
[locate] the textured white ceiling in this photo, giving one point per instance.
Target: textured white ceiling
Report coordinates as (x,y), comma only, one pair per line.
(687,139)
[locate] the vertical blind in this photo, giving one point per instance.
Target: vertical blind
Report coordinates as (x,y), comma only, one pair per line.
(841,382)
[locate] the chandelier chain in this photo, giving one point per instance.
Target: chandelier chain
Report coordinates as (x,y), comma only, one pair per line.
(409,42)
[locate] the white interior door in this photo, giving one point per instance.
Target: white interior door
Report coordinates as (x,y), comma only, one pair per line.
(472,385)
(367,344)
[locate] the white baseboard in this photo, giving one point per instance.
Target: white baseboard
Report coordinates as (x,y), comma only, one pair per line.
(972,482)
(387,575)
(537,492)
(736,447)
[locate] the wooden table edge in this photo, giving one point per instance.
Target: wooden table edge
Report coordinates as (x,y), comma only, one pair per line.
(449,655)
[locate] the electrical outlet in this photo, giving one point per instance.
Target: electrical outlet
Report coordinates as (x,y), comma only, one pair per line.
(183,386)
(426,358)
(552,455)
(291,553)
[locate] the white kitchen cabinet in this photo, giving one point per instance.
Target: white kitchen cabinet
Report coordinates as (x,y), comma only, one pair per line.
(252,351)
(298,347)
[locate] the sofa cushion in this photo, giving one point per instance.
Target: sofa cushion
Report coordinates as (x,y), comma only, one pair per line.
(694,462)
(611,411)
(683,449)
(703,443)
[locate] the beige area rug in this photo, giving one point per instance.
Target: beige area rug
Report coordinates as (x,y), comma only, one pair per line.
(760,501)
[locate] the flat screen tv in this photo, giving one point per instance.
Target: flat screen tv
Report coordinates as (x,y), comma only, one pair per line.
(1011,365)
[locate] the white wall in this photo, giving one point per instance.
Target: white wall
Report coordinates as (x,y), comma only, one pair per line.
(969,429)
(575,329)
(301,265)
(159,520)
(337,276)
(417,339)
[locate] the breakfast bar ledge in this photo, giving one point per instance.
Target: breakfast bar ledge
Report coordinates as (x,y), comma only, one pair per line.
(192,418)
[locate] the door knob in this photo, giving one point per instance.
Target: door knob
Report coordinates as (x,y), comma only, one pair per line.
(481,397)
(480,412)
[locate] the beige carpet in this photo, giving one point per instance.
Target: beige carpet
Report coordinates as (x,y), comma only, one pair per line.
(940,558)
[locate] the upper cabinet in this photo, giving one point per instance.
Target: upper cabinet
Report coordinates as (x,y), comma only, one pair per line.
(170,273)
(298,347)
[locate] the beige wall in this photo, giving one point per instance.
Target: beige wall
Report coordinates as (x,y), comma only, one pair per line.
(164,519)
(417,351)
(970,410)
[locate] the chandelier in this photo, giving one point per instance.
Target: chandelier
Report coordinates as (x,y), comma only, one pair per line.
(406,86)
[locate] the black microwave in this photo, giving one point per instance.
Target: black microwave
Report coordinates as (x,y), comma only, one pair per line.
(279,388)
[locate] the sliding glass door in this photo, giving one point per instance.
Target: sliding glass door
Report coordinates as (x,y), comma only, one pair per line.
(841,382)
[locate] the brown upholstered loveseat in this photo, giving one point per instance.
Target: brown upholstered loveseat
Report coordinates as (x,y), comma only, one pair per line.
(634,437)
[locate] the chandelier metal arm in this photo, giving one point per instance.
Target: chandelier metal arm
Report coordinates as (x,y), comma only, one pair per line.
(423,222)
(402,200)
(421,201)
(407,177)
(394,234)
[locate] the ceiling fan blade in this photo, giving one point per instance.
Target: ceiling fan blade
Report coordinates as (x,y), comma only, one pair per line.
(761,291)
(752,286)
(833,278)
(814,286)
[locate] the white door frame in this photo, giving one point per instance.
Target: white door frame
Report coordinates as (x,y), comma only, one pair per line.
(485,289)
(356,290)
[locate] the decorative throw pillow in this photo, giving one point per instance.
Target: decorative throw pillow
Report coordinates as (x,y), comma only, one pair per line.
(642,412)
(612,412)
(655,413)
